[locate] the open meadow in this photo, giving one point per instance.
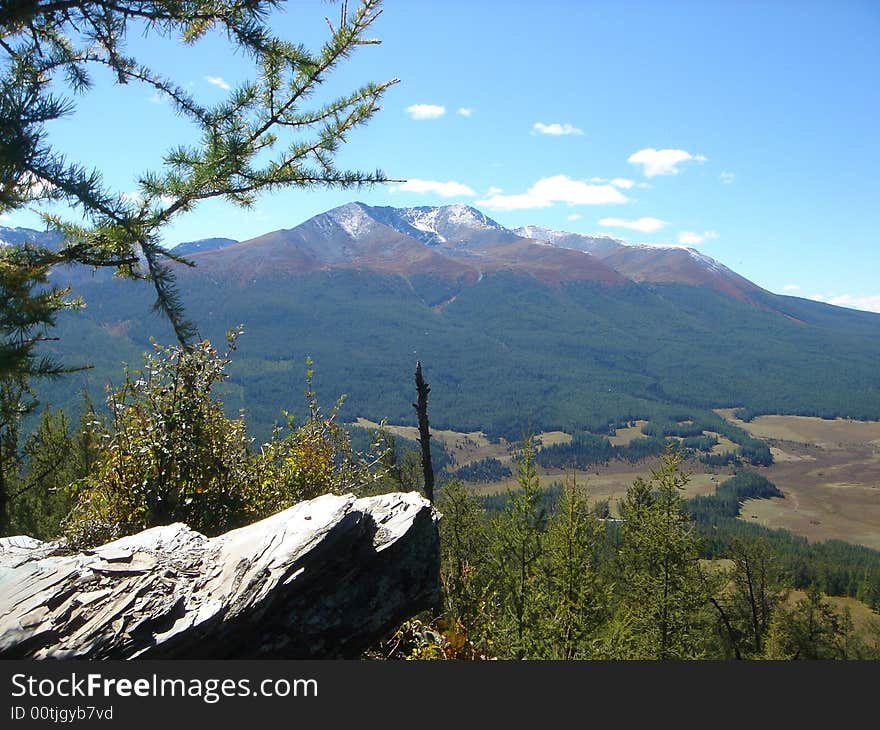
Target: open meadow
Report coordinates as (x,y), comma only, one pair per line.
(829,471)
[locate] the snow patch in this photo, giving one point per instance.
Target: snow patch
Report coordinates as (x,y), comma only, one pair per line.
(353,219)
(551,236)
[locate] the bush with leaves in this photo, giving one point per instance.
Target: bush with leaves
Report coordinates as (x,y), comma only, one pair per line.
(316,458)
(169,453)
(423,639)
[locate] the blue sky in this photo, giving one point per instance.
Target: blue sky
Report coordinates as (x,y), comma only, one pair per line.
(746,129)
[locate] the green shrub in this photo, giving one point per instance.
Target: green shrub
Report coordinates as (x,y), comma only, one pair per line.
(169,453)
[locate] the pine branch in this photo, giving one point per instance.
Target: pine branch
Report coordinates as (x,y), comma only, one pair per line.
(47,38)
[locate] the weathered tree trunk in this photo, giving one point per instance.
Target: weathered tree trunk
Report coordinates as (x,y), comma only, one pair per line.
(422,388)
(326,578)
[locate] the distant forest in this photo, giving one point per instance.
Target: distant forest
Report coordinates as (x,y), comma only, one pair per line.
(574,358)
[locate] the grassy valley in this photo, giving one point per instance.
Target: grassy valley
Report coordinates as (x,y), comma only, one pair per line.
(827,469)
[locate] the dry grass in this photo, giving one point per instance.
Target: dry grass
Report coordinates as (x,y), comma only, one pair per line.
(625,435)
(606,482)
(552,438)
(829,471)
(463,448)
(822,432)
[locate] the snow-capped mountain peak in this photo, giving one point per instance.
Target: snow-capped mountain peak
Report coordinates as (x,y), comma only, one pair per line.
(353,218)
(536,233)
(448,225)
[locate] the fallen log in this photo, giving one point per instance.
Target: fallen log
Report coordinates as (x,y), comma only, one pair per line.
(327,578)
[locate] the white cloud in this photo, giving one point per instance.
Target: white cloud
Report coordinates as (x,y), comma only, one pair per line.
(870,303)
(645,225)
(555,129)
(691,238)
(426,111)
(494,191)
(622,182)
(727,177)
(791,287)
(218,81)
(661,162)
(157,97)
(5,218)
(574,217)
(449,189)
(464,111)
(557,189)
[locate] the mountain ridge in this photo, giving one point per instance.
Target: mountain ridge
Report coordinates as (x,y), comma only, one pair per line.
(455,241)
(513,332)
(467,244)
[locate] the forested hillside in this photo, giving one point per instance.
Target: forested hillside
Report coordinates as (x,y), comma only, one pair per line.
(503,353)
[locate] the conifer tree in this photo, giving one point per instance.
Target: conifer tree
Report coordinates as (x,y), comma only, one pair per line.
(811,629)
(57,457)
(662,590)
(463,556)
(265,136)
(515,551)
(756,586)
(576,601)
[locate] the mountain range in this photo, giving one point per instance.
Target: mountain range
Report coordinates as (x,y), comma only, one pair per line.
(515,328)
(460,244)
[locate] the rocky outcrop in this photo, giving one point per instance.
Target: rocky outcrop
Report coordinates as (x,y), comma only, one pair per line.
(326,578)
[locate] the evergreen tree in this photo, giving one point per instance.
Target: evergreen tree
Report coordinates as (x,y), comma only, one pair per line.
(576,601)
(463,556)
(57,458)
(262,137)
(15,403)
(662,590)
(28,305)
(869,590)
(515,551)
(757,586)
(811,629)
